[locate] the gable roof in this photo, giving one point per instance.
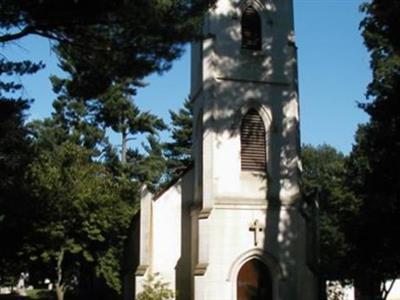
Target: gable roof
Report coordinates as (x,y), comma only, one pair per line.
(178,177)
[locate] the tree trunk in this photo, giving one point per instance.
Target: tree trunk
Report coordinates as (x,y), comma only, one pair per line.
(60,292)
(386,289)
(367,287)
(60,287)
(322,295)
(124,147)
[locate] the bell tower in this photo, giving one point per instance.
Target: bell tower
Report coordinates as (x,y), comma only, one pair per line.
(247,226)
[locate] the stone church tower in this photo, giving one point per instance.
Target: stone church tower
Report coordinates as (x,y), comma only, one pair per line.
(232,227)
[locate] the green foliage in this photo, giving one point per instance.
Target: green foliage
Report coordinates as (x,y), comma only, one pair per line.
(381,31)
(83,205)
(83,196)
(39,294)
(373,262)
(155,289)
(13,134)
(375,157)
(77,119)
(8,88)
(107,42)
(76,215)
(150,167)
(14,142)
(117,110)
(72,200)
(324,181)
(85,121)
(179,151)
(15,155)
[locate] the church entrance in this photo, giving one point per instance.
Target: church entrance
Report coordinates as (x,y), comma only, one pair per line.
(254,281)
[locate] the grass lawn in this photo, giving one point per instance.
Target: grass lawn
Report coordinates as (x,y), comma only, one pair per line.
(31,295)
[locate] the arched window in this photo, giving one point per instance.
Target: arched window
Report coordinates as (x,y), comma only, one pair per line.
(254,281)
(251,29)
(252,142)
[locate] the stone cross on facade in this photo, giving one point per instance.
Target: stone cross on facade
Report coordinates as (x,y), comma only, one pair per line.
(256,227)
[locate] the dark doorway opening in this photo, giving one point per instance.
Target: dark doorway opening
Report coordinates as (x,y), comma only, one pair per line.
(254,281)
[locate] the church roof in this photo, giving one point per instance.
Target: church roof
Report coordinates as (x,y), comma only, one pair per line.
(165,188)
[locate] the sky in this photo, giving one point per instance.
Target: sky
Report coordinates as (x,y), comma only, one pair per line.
(333,74)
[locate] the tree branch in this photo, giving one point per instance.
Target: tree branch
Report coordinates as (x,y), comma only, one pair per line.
(31,30)
(52,37)
(59,38)
(14,36)
(36,31)
(386,291)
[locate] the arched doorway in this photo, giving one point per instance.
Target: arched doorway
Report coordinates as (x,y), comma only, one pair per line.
(254,281)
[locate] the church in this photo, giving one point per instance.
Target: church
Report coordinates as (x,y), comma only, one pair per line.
(232,227)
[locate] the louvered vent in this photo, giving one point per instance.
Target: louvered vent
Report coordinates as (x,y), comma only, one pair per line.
(252,139)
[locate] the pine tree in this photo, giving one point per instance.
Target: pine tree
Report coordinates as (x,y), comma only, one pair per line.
(149,168)
(15,156)
(9,87)
(83,197)
(179,151)
(117,110)
(107,41)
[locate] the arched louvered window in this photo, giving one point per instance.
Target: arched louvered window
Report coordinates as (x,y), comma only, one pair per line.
(252,142)
(251,29)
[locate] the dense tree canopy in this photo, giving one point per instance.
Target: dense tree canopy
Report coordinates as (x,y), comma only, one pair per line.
(106,48)
(77,177)
(106,41)
(80,197)
(77,217)
(381,31)
(15,156)
(324,181)
(375,158)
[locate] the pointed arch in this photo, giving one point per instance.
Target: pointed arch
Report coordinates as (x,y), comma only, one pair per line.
(253,146)
(254,281)
(268,261)
(251,29)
